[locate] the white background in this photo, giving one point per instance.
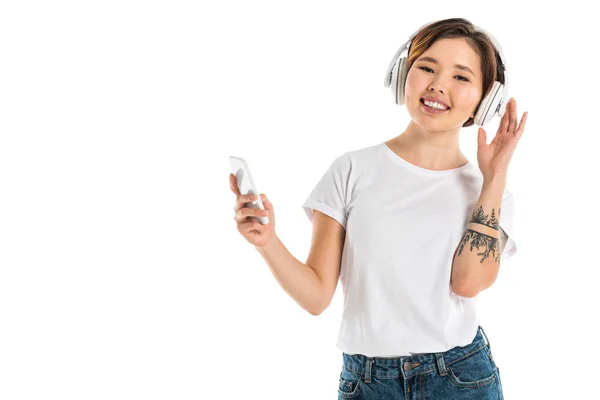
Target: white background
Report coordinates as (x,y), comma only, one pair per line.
(122,274)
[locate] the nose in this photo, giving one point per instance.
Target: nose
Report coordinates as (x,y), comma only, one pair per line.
(432,88)
(437,85)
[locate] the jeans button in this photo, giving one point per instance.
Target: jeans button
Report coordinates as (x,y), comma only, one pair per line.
(407,366)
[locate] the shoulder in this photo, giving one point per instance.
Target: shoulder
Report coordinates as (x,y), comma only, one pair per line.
(363,156)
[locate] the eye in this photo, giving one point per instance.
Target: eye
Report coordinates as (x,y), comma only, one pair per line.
(460,76)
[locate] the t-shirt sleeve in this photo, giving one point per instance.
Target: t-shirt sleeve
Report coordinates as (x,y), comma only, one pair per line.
(330,194)
(507,215)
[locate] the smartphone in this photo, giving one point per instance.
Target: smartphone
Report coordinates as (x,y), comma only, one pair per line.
(246,185)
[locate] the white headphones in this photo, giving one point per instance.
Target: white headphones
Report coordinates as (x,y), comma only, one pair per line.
(492,104)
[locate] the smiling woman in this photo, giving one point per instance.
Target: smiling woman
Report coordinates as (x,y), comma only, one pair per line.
(388,220)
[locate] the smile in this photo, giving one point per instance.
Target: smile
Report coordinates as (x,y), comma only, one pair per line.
(431,110)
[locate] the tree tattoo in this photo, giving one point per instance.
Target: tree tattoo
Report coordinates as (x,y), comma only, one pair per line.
(492,247)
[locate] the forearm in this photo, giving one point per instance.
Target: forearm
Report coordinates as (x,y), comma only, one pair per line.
(298,280)
(477,259)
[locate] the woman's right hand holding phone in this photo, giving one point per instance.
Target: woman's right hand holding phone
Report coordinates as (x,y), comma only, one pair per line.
(251,229)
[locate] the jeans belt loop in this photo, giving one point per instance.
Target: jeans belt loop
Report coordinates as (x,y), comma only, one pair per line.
(368,365)
(440,363)
(486,338)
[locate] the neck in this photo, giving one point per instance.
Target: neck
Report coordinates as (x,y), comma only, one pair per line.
(436,150)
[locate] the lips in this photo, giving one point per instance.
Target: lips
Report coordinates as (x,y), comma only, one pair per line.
(431,98)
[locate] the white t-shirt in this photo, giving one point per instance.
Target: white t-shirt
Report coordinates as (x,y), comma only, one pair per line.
(403,224)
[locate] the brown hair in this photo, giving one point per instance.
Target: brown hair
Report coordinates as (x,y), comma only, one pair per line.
(491,63)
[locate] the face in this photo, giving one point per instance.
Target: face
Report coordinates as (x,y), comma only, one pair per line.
(460,89)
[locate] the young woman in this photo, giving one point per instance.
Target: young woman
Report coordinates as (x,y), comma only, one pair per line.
(411,228)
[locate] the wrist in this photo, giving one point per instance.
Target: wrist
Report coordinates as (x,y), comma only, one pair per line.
(269,244)
(495,180)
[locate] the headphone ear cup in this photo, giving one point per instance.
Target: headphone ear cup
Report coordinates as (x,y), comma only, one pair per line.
(403,71)
(489,105)
(394,81)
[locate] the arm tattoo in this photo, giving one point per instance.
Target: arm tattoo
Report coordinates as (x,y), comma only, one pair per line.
(489,244)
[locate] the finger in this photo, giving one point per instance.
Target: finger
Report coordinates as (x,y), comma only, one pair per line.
(233,185)
(257,212)
(231,178)
(237,207)
(246,198)
(246,212)
(242,200)
(513,117)
(266,202)
(505,118)
(239,217)
(481,138)
(521,128)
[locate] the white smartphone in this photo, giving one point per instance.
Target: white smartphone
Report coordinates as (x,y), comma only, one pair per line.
(245,183)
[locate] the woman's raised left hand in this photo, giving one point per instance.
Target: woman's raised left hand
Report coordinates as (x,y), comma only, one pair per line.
(494,158)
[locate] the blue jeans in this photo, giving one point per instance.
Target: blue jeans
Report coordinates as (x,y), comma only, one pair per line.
(467,372)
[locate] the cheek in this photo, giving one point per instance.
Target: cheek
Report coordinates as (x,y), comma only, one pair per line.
(415,84)
(467,97)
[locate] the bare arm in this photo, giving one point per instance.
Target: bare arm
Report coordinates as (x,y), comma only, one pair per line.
(477,259)
(313,284)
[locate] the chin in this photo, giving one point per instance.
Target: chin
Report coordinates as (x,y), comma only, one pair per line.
(430,120)
(435,125)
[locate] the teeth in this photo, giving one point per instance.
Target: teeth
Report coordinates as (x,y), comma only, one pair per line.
(434,104)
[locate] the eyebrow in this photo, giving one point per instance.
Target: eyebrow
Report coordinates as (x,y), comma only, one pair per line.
(459,66)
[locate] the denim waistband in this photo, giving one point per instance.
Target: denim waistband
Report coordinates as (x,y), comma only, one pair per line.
(417,364)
